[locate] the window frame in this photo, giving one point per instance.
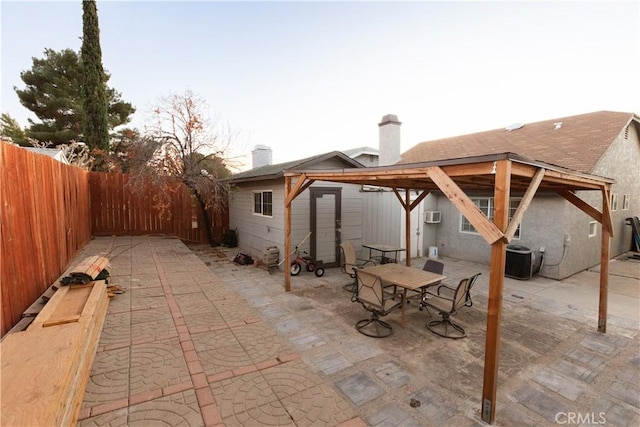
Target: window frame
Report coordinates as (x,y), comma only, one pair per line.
(259,207)
(467,228)
(625,202)
(614,202)
(593,229)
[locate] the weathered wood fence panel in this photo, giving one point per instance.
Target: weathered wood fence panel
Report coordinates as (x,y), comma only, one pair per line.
(121,207)
(49,210)
(45,220)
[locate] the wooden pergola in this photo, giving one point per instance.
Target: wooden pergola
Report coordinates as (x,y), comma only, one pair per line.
(497,173)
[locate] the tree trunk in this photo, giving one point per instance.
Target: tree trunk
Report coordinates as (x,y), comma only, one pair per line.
(205,215)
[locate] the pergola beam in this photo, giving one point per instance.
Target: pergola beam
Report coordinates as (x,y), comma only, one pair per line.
(607,222)
(397,193)
(477,174)
(524,204)
(301,185)
(581,204)
(464,204)
(419,199)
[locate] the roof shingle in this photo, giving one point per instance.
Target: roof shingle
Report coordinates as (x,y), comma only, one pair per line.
(577,144)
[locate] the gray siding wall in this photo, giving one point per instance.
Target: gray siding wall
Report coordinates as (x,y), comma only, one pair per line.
(367,160)
(382,218)
(256,232)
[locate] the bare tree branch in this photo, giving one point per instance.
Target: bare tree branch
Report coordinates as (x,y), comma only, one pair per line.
(191,148)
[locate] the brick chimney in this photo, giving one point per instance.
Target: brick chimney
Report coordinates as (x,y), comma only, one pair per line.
(389,134)
(261,156)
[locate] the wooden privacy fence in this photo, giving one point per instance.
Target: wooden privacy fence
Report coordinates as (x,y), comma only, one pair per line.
(45,220)
(120,207)
(48,211)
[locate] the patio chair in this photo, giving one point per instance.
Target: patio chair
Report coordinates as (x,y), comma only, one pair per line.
(369,292)
(468,301)
(350,262)
(433,267)
(447,301)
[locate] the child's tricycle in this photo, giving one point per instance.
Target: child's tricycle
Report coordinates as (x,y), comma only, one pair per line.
(303,258)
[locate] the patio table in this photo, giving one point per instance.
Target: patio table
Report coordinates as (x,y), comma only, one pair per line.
(407,278)
(384,250)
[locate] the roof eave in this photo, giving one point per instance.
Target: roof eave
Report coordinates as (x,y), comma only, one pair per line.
(269,177)
(302,165)
(400,173)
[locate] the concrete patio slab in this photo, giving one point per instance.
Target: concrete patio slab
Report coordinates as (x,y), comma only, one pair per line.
(200,341)
(359,388)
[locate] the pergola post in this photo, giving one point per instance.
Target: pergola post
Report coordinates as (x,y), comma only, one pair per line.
(604,262)
(604,281)
(407,228)
(496,284)
(287,234)
(455,176)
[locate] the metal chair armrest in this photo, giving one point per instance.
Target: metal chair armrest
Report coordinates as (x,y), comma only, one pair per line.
(428,295)
(450,288)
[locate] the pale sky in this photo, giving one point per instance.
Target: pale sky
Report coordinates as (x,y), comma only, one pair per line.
(310,77)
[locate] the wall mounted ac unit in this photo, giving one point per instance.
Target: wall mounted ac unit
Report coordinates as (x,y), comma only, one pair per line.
(432,217)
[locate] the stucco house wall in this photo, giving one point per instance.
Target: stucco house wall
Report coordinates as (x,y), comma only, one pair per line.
(552,222)
(623,158)
(547,221)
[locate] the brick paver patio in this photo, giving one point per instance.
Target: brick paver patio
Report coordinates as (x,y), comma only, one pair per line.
(199,341)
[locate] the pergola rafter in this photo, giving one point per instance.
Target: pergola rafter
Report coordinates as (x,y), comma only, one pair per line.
(500,174)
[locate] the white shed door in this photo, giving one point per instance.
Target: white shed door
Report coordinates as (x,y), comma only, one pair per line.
(325,217)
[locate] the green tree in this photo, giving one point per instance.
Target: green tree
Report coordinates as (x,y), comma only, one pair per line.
(9,127)
(94,97)
(131,152)
(53,93)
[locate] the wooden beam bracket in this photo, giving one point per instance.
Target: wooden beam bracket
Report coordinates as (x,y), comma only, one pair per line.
(465,205)
(524,204)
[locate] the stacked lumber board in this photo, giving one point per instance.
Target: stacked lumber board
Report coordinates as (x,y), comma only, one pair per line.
(91,268)
(45,369)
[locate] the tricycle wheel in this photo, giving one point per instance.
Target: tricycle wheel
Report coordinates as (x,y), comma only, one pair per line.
(319,271)
(310,266)
(295,268)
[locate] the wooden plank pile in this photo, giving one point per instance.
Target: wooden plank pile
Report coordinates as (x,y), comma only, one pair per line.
(45,368)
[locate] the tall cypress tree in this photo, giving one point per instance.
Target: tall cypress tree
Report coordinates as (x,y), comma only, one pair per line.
(96,129)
